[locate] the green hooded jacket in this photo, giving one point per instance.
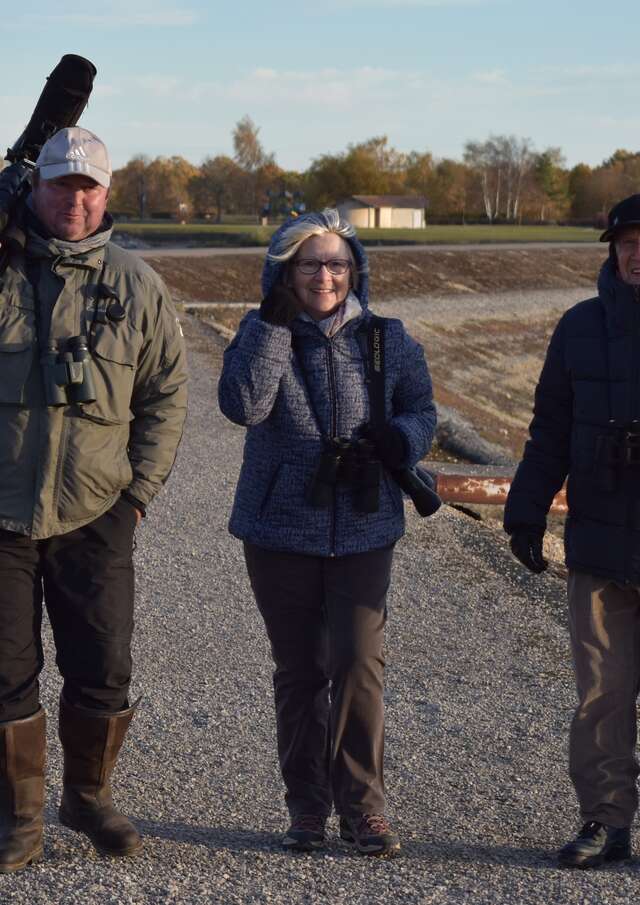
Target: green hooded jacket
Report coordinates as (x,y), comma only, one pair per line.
(63,466)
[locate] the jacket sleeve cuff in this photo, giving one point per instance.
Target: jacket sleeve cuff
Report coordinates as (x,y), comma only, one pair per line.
(135,502)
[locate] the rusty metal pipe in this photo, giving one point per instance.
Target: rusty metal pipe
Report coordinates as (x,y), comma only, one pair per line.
(479,484)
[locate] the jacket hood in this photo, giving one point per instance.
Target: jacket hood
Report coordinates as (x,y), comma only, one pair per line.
(608,278)
(272,270)
(617,297)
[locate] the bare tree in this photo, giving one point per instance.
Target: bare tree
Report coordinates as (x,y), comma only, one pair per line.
(249,153)
(480,157)
(520,158)
(250,156)
(501,164)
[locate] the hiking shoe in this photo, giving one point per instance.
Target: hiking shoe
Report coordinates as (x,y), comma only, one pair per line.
(305,834)
(596,843)
(370,833)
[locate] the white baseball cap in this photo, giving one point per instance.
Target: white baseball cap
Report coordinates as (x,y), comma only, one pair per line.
(75,151)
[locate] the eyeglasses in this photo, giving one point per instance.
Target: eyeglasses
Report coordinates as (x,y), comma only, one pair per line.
(336,266)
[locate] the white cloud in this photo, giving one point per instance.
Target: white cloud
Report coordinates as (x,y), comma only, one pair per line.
(490,76)
(373,99)
(105,91)
(595,81)
(613,125)
(325,88)
(164,86)
(592,71)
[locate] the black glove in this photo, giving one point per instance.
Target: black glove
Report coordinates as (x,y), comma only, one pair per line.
(280,306)
(390,446)
(526,545)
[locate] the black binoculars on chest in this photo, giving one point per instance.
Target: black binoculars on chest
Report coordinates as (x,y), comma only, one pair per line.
(621,447)
(352,463)
(617,453)
(66,372)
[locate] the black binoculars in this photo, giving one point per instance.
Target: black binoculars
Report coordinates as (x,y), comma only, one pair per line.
(616,452)
(621,447)
(353,463)
(66,372)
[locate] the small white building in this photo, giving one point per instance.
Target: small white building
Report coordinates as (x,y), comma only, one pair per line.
(380,211)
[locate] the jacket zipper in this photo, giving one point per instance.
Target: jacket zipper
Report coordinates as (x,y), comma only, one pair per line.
(633,416)
(40,315)
(333,400)
(62,450)
(64,430)
(634,350)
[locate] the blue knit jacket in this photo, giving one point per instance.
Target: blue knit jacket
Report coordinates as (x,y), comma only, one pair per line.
(262,387)
(589,389)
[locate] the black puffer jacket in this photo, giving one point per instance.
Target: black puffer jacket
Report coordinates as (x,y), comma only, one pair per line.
(589,388)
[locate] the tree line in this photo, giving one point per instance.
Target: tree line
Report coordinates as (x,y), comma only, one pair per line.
(503,179)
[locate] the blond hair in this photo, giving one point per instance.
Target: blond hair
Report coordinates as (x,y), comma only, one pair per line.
(289,241)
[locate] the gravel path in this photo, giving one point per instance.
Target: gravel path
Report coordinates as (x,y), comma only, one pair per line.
(479,696)
(452,310)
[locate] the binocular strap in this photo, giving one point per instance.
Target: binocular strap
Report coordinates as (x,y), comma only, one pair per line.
(375,369)
(32,271)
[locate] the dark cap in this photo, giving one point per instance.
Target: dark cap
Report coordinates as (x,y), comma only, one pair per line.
(624,213)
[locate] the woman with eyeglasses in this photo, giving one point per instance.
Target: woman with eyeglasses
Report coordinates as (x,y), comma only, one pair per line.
(319,515)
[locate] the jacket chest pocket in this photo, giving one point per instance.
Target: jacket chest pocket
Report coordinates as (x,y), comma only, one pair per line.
(17,343)
(115,351)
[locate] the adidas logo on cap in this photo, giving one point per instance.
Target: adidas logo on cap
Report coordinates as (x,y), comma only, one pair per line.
(75,151)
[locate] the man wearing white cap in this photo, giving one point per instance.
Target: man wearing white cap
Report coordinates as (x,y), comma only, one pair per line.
(92,404)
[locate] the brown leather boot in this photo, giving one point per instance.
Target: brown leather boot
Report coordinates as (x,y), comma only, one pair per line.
(22,759)
(91,741)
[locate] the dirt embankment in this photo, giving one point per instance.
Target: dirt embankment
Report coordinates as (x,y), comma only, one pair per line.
(236,278)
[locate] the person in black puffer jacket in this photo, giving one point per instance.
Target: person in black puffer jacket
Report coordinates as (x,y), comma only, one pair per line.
(586,428)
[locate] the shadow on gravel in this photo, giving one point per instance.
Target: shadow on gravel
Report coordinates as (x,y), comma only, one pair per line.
(499,855)
(238,840)
(233,839)
(506,855)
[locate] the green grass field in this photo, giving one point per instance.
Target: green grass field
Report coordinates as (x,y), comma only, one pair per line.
(197,233)
(245,235)
(480,233)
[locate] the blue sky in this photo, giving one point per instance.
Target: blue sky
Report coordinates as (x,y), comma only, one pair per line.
(174,78)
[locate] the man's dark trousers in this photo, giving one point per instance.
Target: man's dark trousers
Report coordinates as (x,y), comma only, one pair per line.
(86,579)
(325,620)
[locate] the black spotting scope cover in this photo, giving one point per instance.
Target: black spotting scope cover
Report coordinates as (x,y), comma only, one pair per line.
(60,105)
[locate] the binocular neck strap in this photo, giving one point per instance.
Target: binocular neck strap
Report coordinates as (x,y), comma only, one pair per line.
(375,382)
(32,270)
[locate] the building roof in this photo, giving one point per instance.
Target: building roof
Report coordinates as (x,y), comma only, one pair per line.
(412,201)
